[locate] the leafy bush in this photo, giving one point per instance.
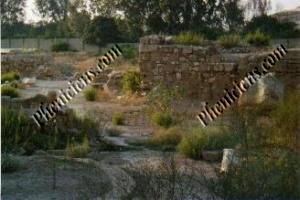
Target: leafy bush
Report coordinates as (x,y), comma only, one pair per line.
(161,97)
(9,163)
(229,41)
(166,137)
(131,81)
(190,38)
(277,176)
(19,131)
(163,119)
(90,94)
(9,76)
(78,151)
(286,117)
(60,46)
(198,139)
(118,119)
(258,38)
(129,52)
(9,91)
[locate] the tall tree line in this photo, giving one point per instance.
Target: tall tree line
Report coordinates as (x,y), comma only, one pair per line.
(130,19)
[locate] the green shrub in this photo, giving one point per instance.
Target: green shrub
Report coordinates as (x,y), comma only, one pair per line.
(9,76)
(9,163)
(286,117)
(199,139)
(191,145)
(166,137)
(19,131)
(9,91)
(258,38)
(229,41)
(163,119)
(90,94)
(118,119)
(78,151)
(129,52)
(60,46)
(277,178)
(131,81)
(162,97)
(190,38)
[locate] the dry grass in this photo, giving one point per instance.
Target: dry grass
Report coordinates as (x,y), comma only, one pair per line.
(132,100)
(103,96)
(165,138)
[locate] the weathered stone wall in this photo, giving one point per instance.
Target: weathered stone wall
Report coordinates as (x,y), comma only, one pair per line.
(24,62)
(206,71)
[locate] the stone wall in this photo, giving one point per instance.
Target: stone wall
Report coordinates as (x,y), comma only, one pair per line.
(206,71)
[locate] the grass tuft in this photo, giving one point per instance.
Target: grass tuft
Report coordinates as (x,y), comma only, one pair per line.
(190,38)
(229,41)
(90,94)
(9,91)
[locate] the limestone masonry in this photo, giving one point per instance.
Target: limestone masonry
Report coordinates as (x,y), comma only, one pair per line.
(206,71)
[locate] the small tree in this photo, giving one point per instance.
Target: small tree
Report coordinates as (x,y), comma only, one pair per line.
(101,31)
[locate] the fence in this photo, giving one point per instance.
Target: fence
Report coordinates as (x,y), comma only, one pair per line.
(45,44)
(79,45)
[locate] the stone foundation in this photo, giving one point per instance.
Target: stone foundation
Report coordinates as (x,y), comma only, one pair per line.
(205,72)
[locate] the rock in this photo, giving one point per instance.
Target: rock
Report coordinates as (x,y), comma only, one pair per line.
(114,83)
(29,81)
(212,155)
(267,90)
(229,159)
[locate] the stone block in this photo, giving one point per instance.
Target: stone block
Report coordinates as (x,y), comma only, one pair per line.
(218,67)
(193,58)
(228,67)
(187,50)
(182,59)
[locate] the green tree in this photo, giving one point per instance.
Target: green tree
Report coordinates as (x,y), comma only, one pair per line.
(54,10)
(12,11)
(78,21)
(272,27)
(234,15)
(101,31)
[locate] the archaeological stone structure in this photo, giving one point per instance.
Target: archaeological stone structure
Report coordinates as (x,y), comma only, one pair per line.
(205,72)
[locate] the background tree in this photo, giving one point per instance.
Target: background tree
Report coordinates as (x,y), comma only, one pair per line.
(102,30)
(53,10)
(12,11)
(78,21)
(234,15)
(272,27)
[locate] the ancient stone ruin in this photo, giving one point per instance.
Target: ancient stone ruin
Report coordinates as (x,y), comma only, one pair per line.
(206,71)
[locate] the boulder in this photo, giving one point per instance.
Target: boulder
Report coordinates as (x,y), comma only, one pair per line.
(29,81)
(267,90)
(114,83)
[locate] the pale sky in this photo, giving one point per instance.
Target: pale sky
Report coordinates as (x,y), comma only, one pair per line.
(278,5)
